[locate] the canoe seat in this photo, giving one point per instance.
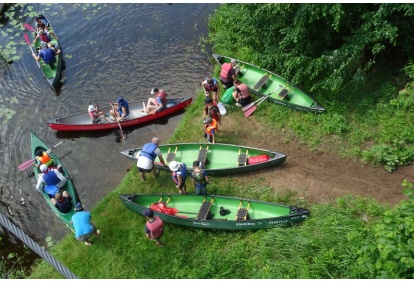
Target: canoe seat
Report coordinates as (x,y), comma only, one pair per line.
(202,156)
(242,158)
(284,94)
(261,82)
(204,211)
(242,214)
(171,155)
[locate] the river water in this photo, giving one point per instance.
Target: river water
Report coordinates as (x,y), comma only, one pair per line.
(110,50)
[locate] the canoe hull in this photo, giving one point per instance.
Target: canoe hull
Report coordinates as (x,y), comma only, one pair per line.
(221,158)
(82,121)
(251,75)
(37,144)
(54,75)
(260,215)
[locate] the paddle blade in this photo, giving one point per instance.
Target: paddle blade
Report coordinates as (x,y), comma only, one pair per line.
(26,164)
(250,111)
(26,37)
(248,106)
(28,27)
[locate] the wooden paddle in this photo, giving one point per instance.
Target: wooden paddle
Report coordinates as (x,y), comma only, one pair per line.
(250,105)
(26,37)
(28,27)
(122,133)
(28,163)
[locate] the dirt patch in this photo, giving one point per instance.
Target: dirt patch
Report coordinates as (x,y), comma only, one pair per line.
(318,176)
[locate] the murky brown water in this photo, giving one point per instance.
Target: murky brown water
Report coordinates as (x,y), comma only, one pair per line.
(110,50)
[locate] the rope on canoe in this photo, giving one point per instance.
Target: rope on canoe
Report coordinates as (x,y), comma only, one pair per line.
(36,248)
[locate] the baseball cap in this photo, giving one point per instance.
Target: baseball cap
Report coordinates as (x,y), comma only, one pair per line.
(148,212)
(154,90)
(78,206)
(91,108)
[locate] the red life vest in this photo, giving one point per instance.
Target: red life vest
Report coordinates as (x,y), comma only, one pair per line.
(212,87)
(156,227)
(163,95)
(44,37)
(244,90)
(225,74)
(93,115)
(212,111)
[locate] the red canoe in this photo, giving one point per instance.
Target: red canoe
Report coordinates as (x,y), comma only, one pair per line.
(82,121)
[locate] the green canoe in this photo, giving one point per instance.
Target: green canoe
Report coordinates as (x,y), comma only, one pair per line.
(52,75)
(69,186)
(262,83)
(216,212)
(217,158)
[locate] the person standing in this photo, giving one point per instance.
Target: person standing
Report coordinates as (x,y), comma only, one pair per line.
(122,109)
(146,158)
(179,176)
(241,94)
(84,228)
(211,89)
(158,103)
(199,178)
(50,177)
(210,129)
(154,228)
(228,73)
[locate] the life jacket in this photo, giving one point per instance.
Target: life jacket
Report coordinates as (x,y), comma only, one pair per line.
(156,227)
(51,178)
(45,37)
(45,159)
(163,95)
(126,107)
(199,177)
(225,74)
(212,87)
(212,126)
(183,172)
(49,55)
(162,207)
(148,150)
(244,90)
(213,112)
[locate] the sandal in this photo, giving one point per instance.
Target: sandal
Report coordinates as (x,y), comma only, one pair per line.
(98,233)
(88,243)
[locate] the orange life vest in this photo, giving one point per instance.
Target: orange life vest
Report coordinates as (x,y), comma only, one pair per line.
(212,126)
(45,159)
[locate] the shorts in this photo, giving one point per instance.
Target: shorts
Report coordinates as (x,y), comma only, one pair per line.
(245,101)
(145,170)
(201,189)
(162,108)
(85,237)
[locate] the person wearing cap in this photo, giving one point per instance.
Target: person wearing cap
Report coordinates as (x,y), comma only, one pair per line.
(84,228)
(210,129)
(241,94)
(146,158)
(50,177)
(47,53)
(95,114)
(62,201)
(157,103)
(199,178)
(211,88)
(43,157)
(211,110)
(122,111)
(154,227)
(228,73)
(179,175)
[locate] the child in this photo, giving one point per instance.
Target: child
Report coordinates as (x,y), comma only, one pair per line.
(154,228)
(179,176)
(211,128)
(95,114)
(199,178)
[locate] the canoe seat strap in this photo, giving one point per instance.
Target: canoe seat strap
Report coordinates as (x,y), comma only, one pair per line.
(204,210)
(261,82)
(242,213)
(242,158)
(171,155)
(202,156)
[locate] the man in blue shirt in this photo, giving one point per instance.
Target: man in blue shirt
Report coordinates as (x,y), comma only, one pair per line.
(84,228)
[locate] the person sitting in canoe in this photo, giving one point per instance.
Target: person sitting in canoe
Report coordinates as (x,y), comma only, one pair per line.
(95,114)
(43,157)
(62,201)
(228,73)
(210,130)
(50,177)
(44,36)
(199,178)
(241,93)
(211,110)
(179,176)
(158,103)
(211,88)
(41,23)
(122,111)
(47,53)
